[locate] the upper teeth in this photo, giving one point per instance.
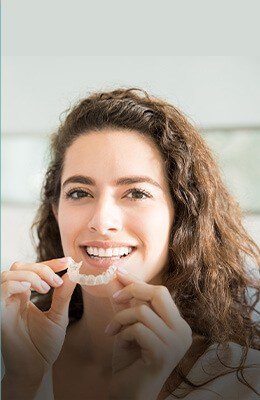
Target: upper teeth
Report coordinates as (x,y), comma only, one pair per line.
(110,252)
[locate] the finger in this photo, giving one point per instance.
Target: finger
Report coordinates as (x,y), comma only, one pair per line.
(146,316)
(36,282)
(153,349)
(14,299)
(9,288)
(159,297)
(44,271)
(58,312)
(114,286)
(56,264)
(126,277)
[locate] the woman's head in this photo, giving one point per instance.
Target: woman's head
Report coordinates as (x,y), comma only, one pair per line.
(114,193)
(201,223)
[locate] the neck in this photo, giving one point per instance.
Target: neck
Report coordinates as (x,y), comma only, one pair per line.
(87,338)
(88,333)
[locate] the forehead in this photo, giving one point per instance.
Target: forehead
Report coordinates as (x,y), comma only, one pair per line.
(112,153)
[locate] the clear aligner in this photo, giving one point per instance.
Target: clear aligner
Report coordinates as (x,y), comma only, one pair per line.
(90,280)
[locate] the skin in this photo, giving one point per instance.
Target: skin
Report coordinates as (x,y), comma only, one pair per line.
(144,315)
(109,213)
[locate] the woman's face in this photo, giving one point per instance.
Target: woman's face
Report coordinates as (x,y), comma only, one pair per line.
(106,199)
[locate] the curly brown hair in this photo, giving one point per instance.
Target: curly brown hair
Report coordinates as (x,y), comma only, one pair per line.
(209,249)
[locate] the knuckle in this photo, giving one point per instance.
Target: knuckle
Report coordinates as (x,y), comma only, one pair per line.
(58,317)
(4,276)
(34,278)
(16,265)
(187,329)
(118,318)
(132,286)
(138,327)
(6,286)
(162,290)
(45,269)
(141,310)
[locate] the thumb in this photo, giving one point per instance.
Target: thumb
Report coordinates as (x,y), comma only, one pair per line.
(61,297)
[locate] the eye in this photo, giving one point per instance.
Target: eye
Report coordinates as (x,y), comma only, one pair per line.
(139,194)
(76,194)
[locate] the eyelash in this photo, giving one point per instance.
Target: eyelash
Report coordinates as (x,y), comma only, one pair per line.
(70,193)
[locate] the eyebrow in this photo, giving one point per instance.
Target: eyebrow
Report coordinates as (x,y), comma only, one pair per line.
(128,180)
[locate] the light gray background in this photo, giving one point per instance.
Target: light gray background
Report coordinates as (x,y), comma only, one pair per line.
(116,27)
(45,68)
(214,91)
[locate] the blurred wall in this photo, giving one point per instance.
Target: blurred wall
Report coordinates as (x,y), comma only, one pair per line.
(216,92)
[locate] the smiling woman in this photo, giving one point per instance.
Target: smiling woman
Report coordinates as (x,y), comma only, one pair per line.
(132,190)
(109,204)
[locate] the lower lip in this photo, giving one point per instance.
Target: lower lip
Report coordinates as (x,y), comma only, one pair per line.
(105,263)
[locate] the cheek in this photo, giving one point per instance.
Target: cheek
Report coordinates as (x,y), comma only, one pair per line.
(69,224)
(155,221)
(153,227)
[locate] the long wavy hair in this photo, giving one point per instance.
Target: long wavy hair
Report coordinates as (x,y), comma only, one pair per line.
(209,249)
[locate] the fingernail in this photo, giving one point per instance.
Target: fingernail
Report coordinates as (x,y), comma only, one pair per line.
(26,284)
(45,285)
(112,328)
(117,294)
(122,270)
(65,259)
(57,279)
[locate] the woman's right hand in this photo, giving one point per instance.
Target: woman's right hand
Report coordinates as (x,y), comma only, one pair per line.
(32,339)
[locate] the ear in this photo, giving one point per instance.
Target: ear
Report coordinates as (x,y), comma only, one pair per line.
(55,211)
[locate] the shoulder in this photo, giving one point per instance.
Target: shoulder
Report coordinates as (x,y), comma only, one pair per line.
(232,354)
(216,371)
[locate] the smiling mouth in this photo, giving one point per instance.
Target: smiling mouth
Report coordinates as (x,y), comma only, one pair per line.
(108,257)
(104,261)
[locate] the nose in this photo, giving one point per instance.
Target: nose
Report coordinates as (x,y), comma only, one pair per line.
(106,217)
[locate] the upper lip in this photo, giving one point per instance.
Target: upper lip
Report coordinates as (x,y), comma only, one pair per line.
(106,245)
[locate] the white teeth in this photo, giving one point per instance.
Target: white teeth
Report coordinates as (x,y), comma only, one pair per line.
(99,280)
(116,252)
(90,280)
(101,252)
(110,252)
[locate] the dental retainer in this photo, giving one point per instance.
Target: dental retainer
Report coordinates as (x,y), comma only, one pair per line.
(90,280)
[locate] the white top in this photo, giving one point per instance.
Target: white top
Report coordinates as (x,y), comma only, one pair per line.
(225,387)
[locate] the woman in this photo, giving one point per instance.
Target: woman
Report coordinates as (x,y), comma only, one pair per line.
(132,184)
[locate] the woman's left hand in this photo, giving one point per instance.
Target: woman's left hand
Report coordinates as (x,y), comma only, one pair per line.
(156,328)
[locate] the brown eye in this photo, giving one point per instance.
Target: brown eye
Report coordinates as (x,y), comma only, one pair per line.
(138,194)
(76,194)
